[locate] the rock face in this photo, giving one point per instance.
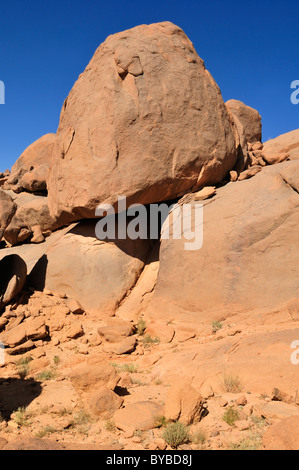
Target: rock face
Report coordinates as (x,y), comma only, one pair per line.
(144,100)
(30,170)
(134,333)
(7,211)
(97,273)
(31,211)
(249,118)
(141,416)
(283,436)
(249,257)
(284,146)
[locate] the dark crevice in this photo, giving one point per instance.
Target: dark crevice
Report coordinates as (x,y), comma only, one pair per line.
(290,185)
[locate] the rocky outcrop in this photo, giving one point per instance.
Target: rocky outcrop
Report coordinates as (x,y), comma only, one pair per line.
(30,171)
(249,257)
(120,337)
(145,99)
(97,273)
(7,211)
(249,118)
(283,147)
(283,435)
(31,211)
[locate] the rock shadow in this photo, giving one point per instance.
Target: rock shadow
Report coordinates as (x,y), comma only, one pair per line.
(139,248)
(17,393)
(37,276)
(13,273)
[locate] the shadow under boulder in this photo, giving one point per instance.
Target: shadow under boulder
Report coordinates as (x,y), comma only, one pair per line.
(13,274)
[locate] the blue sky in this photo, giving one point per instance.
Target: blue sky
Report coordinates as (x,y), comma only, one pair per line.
(251,49)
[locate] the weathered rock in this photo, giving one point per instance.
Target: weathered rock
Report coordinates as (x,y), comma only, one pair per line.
(254,170)
(257,146)
(37,235)
(116,330)
(275,150)
(103,402)
(279,410)
(35,180)
(283,436)
(126,346)
(32,444)
(280,395)
(272,157)
(241,401)
(145,99)
(161,331)
(205,193)
(7,211)
(3,442)
(32,210)
(183,403)
(72,332)
(249,118)
(241,143)
(31,169)
(249,258)
(140,416)
(85,377)
(21,348)
(74,306)
(96,273)
(233,176)
(32,329)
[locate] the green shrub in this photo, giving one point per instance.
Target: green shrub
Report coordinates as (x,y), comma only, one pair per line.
(217,325)
(231,416)
(141,326)
(176,434)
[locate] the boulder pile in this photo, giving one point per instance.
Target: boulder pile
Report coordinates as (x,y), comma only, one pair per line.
(121,337)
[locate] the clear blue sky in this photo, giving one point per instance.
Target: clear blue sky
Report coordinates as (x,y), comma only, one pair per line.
(251,49)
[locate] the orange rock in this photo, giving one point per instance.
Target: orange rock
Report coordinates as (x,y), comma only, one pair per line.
(183,403)
(249,118)
(103,402)
(141,416)
(285,144)
(153,102)
(283,436)
(85,377)
(7,211)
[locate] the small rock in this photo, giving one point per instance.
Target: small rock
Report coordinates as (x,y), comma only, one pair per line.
(233,176)
(124,347)
(37,235)
(161,444)
(250,172)
(241,401)
(223,403)
(242,425)
(74,307)
(205,193)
